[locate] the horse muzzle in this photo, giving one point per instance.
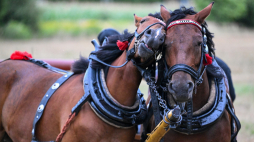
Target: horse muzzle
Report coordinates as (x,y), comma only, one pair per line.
(154,38)
(181,87)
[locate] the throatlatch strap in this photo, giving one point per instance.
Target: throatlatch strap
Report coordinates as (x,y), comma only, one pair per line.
(45,100)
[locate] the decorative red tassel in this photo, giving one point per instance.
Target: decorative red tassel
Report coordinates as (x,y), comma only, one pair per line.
(18,55)
(209,60)
(122,45)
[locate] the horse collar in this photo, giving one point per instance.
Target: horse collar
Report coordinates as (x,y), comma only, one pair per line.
(209,114)
(104,105)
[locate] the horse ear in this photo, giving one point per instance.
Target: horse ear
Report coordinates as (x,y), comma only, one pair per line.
(164,13)
(137,20)
(201,16)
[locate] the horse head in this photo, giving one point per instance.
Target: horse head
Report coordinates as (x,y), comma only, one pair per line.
(183,53)
(149,36)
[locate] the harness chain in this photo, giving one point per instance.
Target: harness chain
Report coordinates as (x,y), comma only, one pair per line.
(198,80)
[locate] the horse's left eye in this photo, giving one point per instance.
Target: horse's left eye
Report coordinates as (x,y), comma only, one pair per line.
(142,21)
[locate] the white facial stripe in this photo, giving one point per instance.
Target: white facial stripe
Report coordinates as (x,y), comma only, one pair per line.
(157,33)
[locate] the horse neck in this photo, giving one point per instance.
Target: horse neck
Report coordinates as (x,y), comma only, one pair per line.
(123,82)
(202,95)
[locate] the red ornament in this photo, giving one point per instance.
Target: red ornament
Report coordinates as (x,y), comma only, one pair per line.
(122,45)
(209,60)
(18,55)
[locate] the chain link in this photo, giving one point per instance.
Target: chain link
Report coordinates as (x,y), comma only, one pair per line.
(162,102)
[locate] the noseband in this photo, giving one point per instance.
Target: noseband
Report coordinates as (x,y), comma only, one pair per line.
(138,36)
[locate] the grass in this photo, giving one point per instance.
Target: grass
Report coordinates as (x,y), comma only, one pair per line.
(244,89)
(88,18)
(248,127)
(244,110)
(76,28)
(75,19)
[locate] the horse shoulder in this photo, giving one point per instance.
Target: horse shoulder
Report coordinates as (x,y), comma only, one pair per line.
(23,85)
(87,126)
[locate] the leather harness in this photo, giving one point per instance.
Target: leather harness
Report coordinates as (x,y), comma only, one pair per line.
(194,124)
(96,93)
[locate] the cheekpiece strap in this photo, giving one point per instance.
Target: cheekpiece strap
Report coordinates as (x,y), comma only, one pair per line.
(184,21)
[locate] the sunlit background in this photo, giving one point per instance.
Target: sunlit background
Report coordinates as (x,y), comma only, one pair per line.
(63,29)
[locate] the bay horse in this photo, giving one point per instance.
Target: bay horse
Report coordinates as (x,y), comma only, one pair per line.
(23,85)
(208,113)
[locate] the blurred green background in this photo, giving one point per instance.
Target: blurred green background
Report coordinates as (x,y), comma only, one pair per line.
(25,19)
(63,29)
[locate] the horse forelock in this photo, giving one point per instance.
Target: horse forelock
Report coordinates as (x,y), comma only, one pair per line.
(181,13)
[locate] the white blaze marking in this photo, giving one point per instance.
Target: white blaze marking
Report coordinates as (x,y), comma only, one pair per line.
(157,33)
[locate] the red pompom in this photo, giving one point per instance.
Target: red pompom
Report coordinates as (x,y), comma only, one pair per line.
(122,45)
(18,55)
(209,60)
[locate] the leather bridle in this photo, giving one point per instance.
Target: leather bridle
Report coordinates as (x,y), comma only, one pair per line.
(131,52)
(196,74)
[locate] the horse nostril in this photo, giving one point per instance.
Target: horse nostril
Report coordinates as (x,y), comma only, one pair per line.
(162,39)
(170,88)
(148,32)
(190,86)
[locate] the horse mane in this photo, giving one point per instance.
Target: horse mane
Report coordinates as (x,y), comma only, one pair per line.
(181,13)
(156,15)
(80,66)
(109,52)
(106,53)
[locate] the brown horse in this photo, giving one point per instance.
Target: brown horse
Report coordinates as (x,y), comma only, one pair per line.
(23,84)
(188,80)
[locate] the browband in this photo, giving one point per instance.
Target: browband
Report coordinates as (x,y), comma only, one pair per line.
(184,21)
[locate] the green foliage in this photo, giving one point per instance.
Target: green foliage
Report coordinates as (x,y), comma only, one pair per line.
(244,89)
(51,28)
(131,1)
(16,30)
(23,11)
(80,13)
(248,18)
(239,11)
(224,10)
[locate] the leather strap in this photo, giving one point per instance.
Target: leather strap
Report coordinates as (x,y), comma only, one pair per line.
(234,120)
(185,68)
(46,98)
(138,36)
(189,116)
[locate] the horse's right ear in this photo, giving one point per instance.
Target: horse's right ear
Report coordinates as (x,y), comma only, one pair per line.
(203,14)
(165,13)
(137,20)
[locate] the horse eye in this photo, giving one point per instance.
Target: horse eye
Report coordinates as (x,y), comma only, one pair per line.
(142,21)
